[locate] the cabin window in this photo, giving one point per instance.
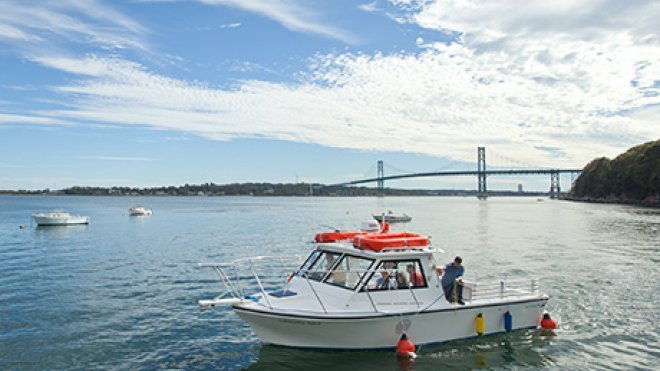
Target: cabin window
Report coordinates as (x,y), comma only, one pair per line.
(310,260)
(349,271)
(397,275)
(321,266)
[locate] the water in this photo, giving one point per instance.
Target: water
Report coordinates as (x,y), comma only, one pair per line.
(122,292)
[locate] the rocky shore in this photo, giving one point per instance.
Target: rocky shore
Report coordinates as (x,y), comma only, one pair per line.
(649,202)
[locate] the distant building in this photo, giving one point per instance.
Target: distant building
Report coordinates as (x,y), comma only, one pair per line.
(520,188)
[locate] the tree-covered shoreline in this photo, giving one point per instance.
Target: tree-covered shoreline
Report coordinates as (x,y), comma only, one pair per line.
(633,177)
(258,189)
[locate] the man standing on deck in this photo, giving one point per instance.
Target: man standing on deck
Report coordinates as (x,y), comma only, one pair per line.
(453,289)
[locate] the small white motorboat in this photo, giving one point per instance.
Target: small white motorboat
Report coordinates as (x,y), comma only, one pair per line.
(139,211)
(390,217)
(336,298)
(59,217)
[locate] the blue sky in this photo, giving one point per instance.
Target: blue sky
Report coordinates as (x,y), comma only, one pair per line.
(150,93)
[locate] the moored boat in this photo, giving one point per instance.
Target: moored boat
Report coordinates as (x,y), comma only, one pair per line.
(337,299)
(139,211)
(390,217)
(59,217)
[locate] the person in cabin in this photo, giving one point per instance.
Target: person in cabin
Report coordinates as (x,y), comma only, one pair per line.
(385,282)
(415,277)
(401,281)
(323,267)
(338,277)
(451,282)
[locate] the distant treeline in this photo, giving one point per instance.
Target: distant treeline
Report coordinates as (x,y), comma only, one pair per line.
(260,189)
(632,177)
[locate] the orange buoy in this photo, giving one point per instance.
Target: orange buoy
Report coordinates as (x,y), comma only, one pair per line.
(548,323)
(405,347)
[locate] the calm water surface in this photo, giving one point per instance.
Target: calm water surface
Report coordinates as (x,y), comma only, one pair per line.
(122,292)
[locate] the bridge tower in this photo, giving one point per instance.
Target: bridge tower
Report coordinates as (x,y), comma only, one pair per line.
(381,182)
(555,187)
(482,191)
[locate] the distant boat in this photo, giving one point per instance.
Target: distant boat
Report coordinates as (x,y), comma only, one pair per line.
(390,217)
(139,211)
(59,217)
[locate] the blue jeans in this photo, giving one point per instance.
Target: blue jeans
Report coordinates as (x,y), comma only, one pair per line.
(449,292)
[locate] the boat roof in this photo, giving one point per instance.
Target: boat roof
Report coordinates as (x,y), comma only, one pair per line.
(347,247)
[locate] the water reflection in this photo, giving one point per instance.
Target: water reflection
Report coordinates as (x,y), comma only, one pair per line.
(517,349)
(60,230)
(139,219)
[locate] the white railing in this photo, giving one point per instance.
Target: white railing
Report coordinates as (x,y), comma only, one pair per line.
(243,277)
(506,288)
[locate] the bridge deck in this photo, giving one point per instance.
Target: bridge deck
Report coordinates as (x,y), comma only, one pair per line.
(462,173)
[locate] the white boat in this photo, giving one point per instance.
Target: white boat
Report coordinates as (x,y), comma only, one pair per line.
(390,217)
(331,301)
(139,210)
(59,217)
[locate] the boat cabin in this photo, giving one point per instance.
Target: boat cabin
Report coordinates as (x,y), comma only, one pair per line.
(354,269)
(364,274)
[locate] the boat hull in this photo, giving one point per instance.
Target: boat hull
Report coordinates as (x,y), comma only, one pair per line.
(140,213)
(383,331)
(46,221)
(393,219)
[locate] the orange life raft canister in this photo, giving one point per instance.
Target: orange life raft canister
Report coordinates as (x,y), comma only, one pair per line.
(326,237)
(384,241)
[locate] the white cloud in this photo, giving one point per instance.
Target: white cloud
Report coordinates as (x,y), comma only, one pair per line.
(84,22)
(432,103)
(369,7)
(231,25)
(586,20)
(9,32)
(553,96)
(290,14)
(9,118)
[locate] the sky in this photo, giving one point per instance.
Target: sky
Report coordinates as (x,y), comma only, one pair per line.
(166,92)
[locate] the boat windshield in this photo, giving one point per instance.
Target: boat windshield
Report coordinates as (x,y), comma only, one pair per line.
(311,259)
(349,271)
(335,268)
(318,265)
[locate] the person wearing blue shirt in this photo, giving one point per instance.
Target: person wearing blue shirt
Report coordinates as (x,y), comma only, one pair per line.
(385,282)
(452,271)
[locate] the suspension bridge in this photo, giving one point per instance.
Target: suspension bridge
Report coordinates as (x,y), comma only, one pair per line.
(481,172)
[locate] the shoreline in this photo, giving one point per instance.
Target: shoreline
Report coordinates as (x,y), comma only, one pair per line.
(613,201)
